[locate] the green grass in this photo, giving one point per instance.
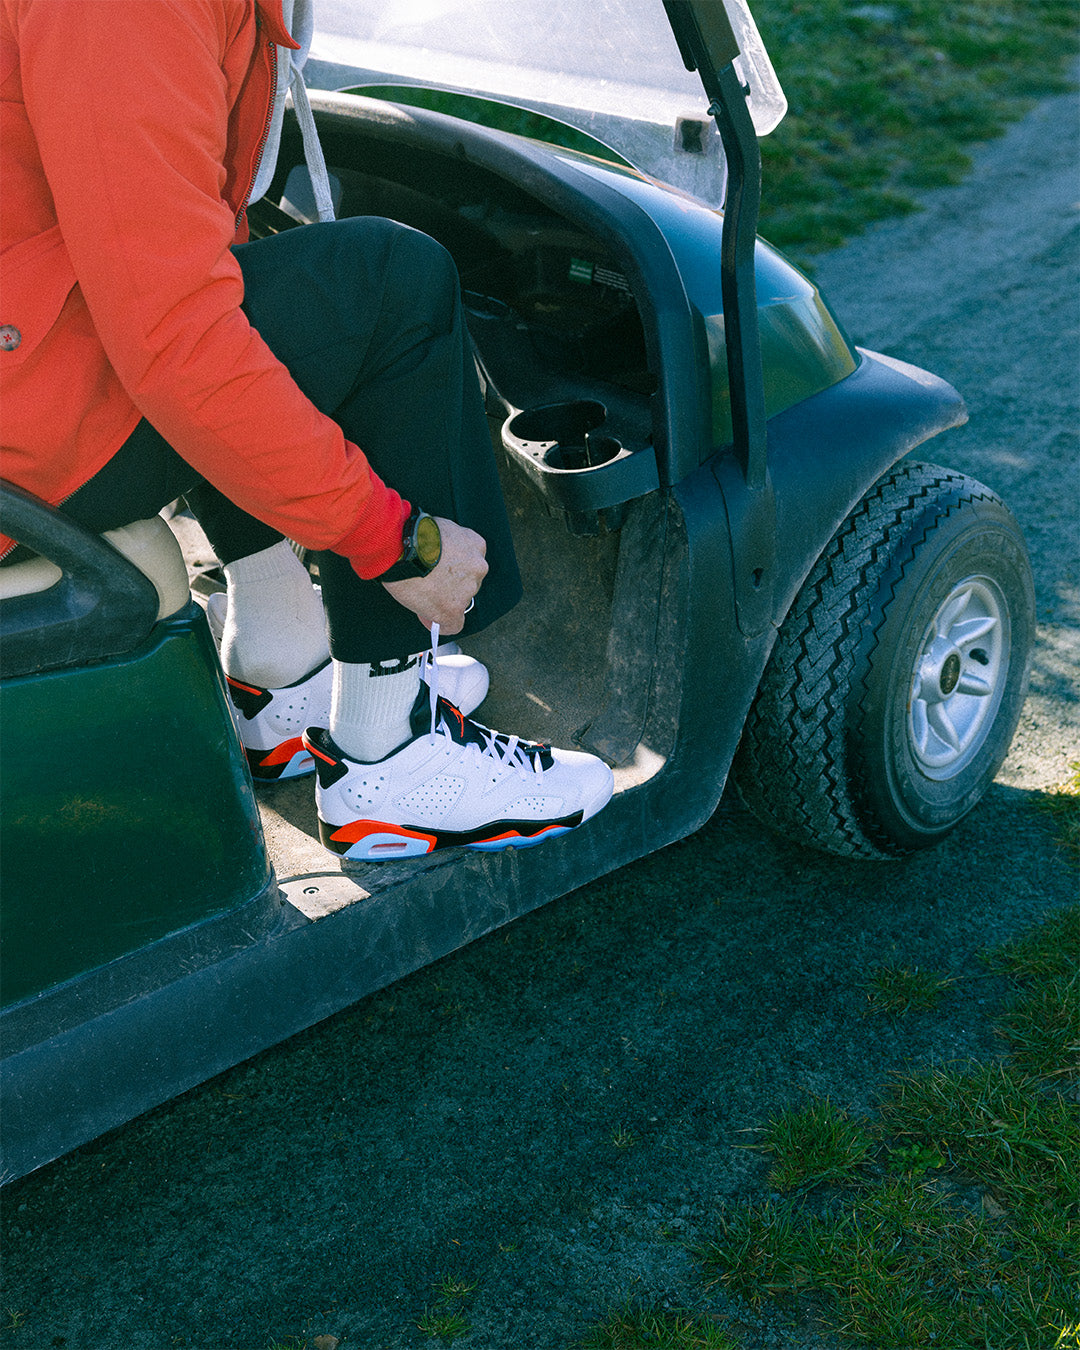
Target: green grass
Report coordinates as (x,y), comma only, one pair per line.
(446,1320)
(905,989)
(901,1266)
(1042,1022)
(622,1138)
(994,1124)
(447,1326)
(324,1342)
(886,98)
(450,1287)
(952,1218)
(632,1328)
(1062,805)
(815,1145)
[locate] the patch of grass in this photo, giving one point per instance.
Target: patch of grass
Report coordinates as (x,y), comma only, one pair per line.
(815,1145)
(643,1329)
(758,1252)
(885,97)
(447,1320)
(1047,951)
(995,1124)
(447,1326)
(900,1266)
(1042,1027)
(969,1233)
(901,989)
(1062,804)
(1042,1023)
(323,1342)
(450,1288)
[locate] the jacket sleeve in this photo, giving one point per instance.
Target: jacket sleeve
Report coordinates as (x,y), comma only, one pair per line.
(129,105)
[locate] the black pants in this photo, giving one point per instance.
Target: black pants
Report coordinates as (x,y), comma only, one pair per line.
(366,314)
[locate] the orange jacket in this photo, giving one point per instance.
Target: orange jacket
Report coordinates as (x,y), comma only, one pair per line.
(130,135)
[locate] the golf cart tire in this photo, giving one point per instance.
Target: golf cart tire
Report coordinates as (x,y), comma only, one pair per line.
(897,678)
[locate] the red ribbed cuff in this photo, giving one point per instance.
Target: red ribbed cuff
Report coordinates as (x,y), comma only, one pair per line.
(374,544)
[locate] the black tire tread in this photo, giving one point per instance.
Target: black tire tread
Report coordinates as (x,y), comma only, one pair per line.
(791,768)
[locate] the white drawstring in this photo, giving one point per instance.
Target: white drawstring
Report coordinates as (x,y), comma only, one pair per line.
(316,163)
(299,19)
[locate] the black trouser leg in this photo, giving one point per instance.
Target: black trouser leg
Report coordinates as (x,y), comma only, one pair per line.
(367,316)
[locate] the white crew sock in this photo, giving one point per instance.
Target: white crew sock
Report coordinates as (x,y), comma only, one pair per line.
(275,630)
(370,707)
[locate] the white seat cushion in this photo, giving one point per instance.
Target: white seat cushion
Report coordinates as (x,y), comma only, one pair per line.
(149,544)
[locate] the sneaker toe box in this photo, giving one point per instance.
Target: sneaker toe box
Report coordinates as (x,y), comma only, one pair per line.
(591,779)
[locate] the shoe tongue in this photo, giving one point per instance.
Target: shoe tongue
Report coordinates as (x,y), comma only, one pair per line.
(420,714)
(461,729)
(459,726)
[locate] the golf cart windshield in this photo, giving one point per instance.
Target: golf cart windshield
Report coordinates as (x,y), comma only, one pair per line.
(610,68)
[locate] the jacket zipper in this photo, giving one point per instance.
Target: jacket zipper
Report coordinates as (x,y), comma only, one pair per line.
(265,132)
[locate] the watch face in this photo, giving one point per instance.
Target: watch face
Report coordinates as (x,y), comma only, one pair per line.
(428,542)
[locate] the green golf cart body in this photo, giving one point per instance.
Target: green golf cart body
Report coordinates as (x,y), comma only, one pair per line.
(161,923)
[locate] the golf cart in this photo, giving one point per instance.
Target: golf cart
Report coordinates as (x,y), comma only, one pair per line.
(730,564)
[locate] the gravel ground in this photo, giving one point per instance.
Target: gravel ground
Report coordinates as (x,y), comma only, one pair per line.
(556,1112)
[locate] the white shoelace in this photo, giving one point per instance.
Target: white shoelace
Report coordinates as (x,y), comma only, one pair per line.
(507,752)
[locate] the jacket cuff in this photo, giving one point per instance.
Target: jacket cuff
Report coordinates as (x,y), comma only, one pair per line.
(374,545)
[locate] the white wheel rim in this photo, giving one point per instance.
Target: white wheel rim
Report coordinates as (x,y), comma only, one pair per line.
(959,678)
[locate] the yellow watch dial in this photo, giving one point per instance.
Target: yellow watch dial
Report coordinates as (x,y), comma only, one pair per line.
(428,542)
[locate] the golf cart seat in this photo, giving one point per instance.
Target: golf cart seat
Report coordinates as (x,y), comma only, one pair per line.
(85,597)
(149,544)
(129,811)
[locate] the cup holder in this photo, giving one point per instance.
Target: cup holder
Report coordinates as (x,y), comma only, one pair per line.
(567,453)
(565,435)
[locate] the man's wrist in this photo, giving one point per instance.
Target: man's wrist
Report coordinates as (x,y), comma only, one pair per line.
(421,548)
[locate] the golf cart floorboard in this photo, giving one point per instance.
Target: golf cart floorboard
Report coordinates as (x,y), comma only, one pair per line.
(548,660)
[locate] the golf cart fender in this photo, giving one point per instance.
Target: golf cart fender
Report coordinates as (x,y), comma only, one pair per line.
(824,454)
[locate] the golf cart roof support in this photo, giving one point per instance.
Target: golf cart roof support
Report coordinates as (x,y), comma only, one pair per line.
(738,279)
(708,44)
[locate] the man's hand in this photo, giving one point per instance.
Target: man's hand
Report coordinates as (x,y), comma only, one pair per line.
(443,596)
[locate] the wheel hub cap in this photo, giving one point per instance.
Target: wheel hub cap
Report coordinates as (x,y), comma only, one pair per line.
(959,678)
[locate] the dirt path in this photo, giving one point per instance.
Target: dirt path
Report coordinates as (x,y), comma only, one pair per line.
(981,287)
(553,1114)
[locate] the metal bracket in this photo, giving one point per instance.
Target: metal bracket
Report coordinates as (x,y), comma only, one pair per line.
(317,894)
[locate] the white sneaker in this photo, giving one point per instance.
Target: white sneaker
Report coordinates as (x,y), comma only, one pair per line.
(463,680)
(271,721)
(455,783)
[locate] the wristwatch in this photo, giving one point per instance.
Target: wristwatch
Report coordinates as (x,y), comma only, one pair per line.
(421,547)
